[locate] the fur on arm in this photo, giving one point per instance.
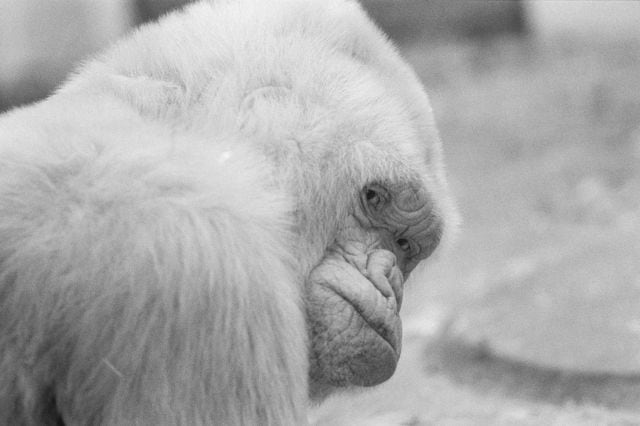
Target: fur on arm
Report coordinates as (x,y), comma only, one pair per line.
(142,284)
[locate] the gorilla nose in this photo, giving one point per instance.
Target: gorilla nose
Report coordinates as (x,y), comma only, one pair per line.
(384,273)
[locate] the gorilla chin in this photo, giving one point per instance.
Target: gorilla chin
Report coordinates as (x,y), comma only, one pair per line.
(355,327)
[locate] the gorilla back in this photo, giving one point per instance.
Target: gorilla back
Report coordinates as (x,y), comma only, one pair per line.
(212,221)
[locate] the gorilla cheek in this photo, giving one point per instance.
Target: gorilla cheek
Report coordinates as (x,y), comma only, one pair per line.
(355,329)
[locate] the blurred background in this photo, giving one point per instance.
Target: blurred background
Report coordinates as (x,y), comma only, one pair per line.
(533,317)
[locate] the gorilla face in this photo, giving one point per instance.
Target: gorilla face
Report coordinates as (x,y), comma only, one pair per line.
(165,215)
(355,293)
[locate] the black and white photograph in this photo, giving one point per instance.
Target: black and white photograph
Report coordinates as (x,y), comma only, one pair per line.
(319,212)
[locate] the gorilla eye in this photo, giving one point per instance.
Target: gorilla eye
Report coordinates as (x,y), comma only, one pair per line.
(404,244)
(374,196)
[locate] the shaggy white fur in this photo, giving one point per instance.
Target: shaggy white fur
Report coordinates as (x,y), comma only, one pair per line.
(159,213)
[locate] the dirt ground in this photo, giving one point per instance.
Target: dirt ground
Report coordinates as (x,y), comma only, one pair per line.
(533,318)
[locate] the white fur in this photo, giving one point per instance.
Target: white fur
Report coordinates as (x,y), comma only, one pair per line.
(148,269)
(126,252)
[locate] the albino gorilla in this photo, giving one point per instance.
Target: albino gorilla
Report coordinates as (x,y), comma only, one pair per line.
(211,222)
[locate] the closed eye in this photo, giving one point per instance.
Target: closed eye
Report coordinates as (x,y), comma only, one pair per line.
(404,244)
(372,196)
(375,196)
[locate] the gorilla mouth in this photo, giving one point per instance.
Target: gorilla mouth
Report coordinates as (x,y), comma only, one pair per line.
(383,328)
(375,361)
(356,331)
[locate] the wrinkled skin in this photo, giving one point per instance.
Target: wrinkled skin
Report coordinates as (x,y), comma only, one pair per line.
(355,293)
